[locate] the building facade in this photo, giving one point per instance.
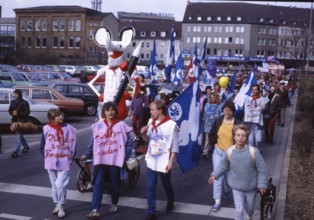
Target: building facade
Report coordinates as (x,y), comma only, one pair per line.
(60,33)
(248,31)
(7,40)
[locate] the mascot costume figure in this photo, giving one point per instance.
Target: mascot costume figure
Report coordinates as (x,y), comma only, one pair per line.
(115,70)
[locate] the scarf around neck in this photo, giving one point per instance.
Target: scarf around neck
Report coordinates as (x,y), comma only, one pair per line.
(59,130)
(110,126)
(254,98)
(164,120)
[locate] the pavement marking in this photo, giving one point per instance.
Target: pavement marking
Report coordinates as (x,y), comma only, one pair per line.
(132,202)
(15,217)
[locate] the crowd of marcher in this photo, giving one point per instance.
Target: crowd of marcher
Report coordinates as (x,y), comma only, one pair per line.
(226,137)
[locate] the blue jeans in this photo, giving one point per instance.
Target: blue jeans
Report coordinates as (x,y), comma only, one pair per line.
(152,177)
(20,141)
(255,138)
(220,182)
(114,173)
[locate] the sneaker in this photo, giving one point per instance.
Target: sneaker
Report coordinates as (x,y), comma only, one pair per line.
(216,208)
(93,215)
(61,212)
(169,206)
(55,210)
(25,150)
(113,209)
(14,154)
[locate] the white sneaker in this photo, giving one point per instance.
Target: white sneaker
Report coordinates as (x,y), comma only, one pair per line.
(55,211)
(61,212)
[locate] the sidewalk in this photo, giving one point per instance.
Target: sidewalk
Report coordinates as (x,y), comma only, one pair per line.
(283,161)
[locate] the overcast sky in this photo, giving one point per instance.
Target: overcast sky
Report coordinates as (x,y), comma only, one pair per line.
(175,7)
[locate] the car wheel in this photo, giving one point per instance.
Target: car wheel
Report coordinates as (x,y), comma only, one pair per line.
(90,109)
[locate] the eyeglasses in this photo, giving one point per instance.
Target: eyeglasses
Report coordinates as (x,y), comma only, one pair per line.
(60,116)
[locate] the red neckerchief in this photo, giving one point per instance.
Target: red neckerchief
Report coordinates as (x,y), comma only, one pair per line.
(57,127)
(254,98)
(164,120)
(59,131)
(113,122)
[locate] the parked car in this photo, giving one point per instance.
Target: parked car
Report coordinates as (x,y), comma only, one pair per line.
(72,70)
(7,68)
(68,106)
(64,76)
(81,91)
(17,78)
(89,70)
(38,110)
(35,77)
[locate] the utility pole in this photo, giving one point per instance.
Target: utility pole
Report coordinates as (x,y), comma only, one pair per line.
(309,42)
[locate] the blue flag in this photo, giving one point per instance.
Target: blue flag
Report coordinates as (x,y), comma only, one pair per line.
(195,63)
(153,72)
(203,56)
(245,90)
(178,72)
(170,58)
(185,111)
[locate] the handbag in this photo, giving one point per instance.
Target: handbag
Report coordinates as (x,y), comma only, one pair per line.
(27,127)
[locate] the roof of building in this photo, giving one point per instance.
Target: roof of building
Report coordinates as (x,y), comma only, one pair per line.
(250,13)
(90,12)
(7,21)
(154,26)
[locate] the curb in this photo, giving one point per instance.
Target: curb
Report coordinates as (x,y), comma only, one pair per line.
(283,184)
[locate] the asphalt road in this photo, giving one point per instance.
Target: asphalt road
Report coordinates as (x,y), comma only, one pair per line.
(25,187)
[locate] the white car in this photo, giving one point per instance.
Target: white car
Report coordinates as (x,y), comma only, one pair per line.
(38,110)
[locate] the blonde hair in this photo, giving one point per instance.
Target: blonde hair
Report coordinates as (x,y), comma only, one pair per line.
(241,127)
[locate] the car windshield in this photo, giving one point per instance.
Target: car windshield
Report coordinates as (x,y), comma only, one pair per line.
(18,77)
(33,76)
(65,75)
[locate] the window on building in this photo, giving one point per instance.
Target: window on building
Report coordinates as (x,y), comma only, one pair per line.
(37,24)
(261,19)
(37,44)
(219,40)
(29,42)
(226,52)
(161,56)
(216,29)
(22,25)
(153,34)
(163,34)
(209,39)
(230,40)
(162,44)
(44,42)
(194,28)
(271,20)
(71,42)
(209,29)
(215,40)
(78,25)
(219,18)
(91,33)
(226,40)
(54,42)
(188,29)
(208,51)
(54,25)
(143,33)
(61,25)
(283,21)
(147,44)
(229,18)
(29,25)
(188,40)
(215,51)
(61,42)
(190,18)
(242,29)
(194,40)
(147,56)
(77,42)
(23,42)
(70,25)
(199,18)
(239,18)
(209,18)
(44,25)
